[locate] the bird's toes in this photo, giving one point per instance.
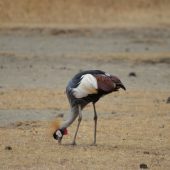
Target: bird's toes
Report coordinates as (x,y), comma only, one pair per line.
(73,143)
(93,144)
(59,142)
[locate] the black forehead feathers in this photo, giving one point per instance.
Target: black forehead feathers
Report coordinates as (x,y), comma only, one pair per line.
(115,79)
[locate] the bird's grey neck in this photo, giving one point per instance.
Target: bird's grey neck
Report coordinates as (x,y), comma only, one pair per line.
(72,116)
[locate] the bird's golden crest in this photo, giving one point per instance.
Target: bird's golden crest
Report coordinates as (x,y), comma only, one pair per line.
(54,125)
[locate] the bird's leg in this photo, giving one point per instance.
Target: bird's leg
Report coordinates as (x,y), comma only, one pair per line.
(79,121)
(95,123)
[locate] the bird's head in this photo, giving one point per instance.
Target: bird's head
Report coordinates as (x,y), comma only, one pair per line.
(56,131)
(117,83)
(58,134)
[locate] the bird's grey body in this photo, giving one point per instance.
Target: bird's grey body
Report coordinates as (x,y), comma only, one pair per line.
(74,82)
(83,88)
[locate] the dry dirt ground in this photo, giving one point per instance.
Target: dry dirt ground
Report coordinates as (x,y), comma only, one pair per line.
(44,43)
(133,125)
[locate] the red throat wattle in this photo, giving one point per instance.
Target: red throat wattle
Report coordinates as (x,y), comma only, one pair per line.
(65,131)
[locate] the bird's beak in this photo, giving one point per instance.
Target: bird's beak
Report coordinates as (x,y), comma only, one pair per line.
(122,86)
(59,141)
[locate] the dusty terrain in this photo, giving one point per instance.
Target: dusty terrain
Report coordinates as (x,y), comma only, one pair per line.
(42,46)
(133,126)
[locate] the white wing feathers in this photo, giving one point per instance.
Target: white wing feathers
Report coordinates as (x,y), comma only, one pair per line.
(88,85)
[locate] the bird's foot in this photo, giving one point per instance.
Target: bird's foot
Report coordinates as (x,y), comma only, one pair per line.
(93,144)
(59,142)
(73,143)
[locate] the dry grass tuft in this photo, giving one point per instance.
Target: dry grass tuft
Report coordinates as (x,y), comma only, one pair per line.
(80,12)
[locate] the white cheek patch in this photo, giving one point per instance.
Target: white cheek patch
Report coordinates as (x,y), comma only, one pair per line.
(58,133)
(88,85)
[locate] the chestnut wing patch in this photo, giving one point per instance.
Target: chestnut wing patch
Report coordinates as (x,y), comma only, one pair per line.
(104,83)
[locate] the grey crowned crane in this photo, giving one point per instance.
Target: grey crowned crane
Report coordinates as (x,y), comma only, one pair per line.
(85,87)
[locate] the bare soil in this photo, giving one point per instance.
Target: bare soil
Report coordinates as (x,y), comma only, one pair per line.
(133,126)
(43,44)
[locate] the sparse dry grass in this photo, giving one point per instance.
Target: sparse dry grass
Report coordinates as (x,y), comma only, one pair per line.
(122,144)
(133,129)
(127,102)
(134,126)
(84,13)
(143,57)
